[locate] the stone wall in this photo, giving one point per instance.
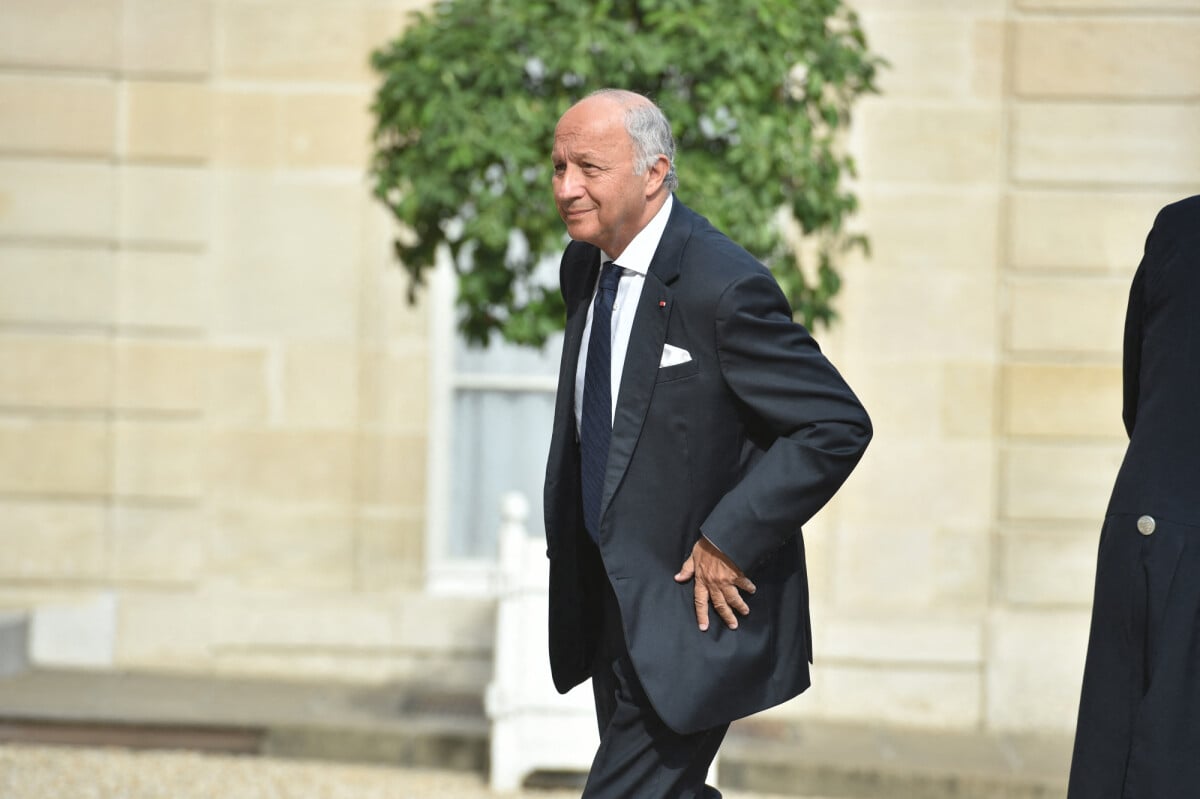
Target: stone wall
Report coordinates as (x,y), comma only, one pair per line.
(212,391)
(1010,172)
(214,398)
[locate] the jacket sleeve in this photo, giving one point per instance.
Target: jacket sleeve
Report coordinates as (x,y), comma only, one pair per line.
(819,428)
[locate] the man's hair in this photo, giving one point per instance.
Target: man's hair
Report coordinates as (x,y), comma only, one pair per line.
(649,129)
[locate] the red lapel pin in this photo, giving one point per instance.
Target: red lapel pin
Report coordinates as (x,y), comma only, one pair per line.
(662,303)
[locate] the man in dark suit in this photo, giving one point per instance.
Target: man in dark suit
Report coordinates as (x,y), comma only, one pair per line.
(1139,713)
(697,427)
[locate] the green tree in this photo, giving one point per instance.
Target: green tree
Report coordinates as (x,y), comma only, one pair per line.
(758,92)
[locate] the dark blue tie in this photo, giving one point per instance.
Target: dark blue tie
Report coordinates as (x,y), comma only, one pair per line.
(595,426)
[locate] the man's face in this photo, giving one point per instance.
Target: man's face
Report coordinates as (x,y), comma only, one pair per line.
(598,195)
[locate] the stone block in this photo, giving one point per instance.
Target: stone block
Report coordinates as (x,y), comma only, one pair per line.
(912,412)
(58,286)
(43,200)
(1058,481)
(55,372)
(1103,5)
(58,116)
(238,390)
(62,34)
(284,41)
(168,120)
(942,316)
(1055,400)
(288,466)
(1074,315)
(247,128)
(395,392)
(1096,231)
(390,550)
(1049,567)
(878,567)
(1137,59)
(159,544)
(900,639)
(290,257)
(962,566)
(55,457)
(159,459)
(930,55)
(965,7)
(923,142)
(327,130)
(79,634)
(321,385)
(160,375)
(968,399)
(908,227)
(282,549)
(166,205)
(920,696)
(163,289)
(52,540)
(924,483)
(1112,143)
(266,620)
(1034,669)
(392,470)
(152,41)
(165,630)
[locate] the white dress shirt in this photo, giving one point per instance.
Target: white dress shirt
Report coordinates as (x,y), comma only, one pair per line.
(634,263)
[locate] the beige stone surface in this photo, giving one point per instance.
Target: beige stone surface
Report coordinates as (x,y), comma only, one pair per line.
(321,385)
(57,115)
(395,392)
(933,54)
(922,696)
(166,204)
(1057,400)
(1118,58)
(1095,231)
(159,544)
(239,390)
(165,629)
(391,469)
(968,399)
(1042,565)
(283,465)
(159,458)
(55,372)
(1059,481)
(160,375)
(168,120)
(910,227)
(277,40)
(78,34)
(326,130)
(163,289)
(282,547)
(1106,5)
(1068,315)
(57,285)
(928,142)
(1124,144)
(59,200)
(1034,669)
(54,457)
(900,639)
(41,539)
(247,127)
(390,551)
(172,37)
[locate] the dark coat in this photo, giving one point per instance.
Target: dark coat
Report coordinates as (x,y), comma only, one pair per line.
(1138,735)
(744,442)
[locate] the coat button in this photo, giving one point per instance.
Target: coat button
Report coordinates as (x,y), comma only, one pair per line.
(1145,525)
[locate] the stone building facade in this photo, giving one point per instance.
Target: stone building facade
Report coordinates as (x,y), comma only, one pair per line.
(217,410)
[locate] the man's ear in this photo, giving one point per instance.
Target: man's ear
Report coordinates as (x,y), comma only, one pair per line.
(656,174)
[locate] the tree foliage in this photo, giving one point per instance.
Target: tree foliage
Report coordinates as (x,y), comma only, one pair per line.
(758,93)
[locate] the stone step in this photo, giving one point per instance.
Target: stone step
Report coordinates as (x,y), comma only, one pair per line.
(443,726)
(14,643)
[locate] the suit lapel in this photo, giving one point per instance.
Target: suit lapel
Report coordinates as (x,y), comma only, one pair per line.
(644,353)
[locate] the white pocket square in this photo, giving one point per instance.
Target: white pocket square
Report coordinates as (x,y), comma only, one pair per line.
(673,356)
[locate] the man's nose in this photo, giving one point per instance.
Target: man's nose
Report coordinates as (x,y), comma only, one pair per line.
(568,185)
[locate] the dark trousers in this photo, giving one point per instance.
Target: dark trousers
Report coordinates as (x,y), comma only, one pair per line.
(640,757)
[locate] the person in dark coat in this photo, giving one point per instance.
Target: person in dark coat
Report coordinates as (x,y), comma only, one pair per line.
(1138,735)
(696,428)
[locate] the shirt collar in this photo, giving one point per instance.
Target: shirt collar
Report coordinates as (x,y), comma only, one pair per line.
(640,252)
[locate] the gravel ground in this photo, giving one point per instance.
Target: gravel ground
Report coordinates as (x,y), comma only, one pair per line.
(43,772)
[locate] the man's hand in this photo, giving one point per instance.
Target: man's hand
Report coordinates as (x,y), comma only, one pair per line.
(717,580)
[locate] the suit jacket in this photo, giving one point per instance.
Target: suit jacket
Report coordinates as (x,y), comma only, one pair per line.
(744,442)
(1139,712)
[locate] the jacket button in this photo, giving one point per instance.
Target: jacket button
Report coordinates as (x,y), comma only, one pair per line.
(1145,525)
